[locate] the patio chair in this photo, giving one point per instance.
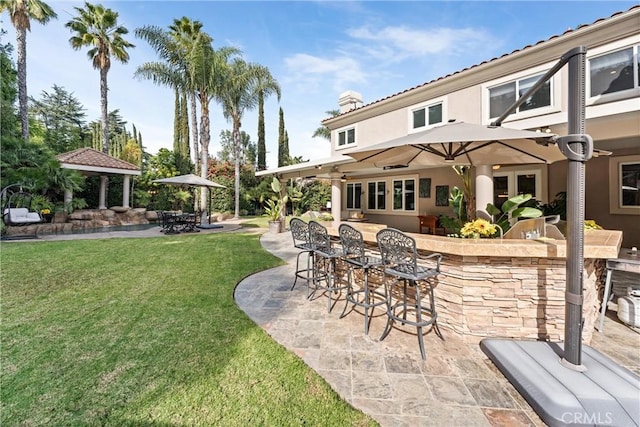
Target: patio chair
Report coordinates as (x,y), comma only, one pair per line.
(357,259)
(300,234)
(325,256)
(400,259)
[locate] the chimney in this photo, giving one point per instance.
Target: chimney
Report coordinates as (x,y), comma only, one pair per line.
(349,100)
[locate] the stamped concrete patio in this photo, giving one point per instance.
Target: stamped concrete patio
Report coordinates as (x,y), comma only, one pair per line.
(456,385)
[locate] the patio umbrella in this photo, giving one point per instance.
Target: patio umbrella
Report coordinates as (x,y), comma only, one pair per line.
(462,143)
(191,179)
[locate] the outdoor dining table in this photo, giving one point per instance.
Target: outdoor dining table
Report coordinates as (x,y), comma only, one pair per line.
(180,222)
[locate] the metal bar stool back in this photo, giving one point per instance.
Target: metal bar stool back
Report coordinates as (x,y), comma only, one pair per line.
(300,234)
(400,258)
(324,262)
(357,258)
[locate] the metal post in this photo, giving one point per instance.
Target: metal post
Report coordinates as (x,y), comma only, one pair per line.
(575,213)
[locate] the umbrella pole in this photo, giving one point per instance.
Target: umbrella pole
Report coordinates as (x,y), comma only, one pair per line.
(578,147)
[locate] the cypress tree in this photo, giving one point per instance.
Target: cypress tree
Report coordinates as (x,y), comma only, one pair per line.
(262,146)
(176,122)
(184,127)
(281,149)
(286,148)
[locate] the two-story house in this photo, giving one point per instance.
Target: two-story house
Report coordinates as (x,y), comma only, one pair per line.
(478,95)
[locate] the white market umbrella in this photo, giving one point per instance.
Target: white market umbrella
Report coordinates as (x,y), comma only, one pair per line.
(189,179)
(462,143)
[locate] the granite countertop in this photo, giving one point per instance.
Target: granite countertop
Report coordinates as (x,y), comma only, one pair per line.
(602,244)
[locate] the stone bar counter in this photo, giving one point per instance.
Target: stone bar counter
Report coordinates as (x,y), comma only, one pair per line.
(509,288)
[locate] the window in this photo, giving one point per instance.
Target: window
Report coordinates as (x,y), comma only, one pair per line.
(509,184)
(427,116)
(502,96)
(404,194)
(614,71)
(624,185)
(376,196)
(354,195)
(346,137)
(630,188)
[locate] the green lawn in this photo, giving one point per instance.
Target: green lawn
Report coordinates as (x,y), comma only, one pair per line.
(130,332)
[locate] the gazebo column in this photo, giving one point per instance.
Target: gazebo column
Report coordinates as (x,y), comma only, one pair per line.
(68,197)
(103,192)
(484,190)
(336,196)
(125,190)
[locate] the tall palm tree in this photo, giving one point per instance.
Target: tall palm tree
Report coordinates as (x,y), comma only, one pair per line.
(239,94)
(323,131)
(209,69)
(98,28)
(21,12)
(267,85)
(187,33)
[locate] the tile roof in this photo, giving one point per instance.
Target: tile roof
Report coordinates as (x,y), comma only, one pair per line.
(579,27)
(94,158)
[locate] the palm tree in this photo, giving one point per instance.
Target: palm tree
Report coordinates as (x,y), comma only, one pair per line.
(21,12)
(174,47)
(209,69)
(98,28)
(267,85)
(323,131)
(187,34)
(239,94)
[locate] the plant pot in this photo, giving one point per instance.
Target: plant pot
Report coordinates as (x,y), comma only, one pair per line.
(276,226)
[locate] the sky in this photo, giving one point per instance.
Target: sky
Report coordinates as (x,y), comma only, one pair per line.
(316,50)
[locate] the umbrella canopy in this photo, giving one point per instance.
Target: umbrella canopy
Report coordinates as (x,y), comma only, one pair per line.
(189,179)
(462,143)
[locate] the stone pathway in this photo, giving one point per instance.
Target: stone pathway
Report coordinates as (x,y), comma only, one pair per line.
(456,385)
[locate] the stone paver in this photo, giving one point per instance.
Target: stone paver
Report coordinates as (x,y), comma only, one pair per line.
(456,385)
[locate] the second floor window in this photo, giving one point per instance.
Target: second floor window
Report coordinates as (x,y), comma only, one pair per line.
(427,116)
(614,72)
(346,137)
(501,97)
(354,195)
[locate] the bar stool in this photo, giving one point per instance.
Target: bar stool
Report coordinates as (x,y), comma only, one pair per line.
(357,259)
(400,259)
(300,234)
(324,262)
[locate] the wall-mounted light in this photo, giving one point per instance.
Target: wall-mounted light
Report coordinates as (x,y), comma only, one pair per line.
(495,167)
(544,129)
(343,178)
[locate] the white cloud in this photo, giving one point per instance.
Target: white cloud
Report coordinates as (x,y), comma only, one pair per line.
(401,43)
(312,71)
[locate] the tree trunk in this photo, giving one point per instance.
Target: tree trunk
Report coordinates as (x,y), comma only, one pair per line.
(236,155)
(105,112)
(204,147)
(21,40)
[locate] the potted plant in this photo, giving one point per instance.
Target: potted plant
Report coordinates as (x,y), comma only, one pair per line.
(274,207)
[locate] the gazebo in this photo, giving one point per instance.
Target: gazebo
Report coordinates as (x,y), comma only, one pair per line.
(92,162)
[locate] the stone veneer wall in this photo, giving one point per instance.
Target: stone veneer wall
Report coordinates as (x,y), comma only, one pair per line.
(502,297)
(88,219)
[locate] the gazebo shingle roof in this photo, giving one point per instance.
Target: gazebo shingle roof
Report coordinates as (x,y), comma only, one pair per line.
(94,158)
